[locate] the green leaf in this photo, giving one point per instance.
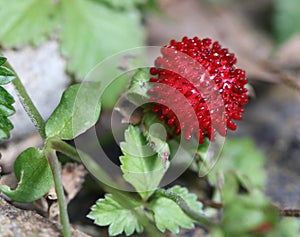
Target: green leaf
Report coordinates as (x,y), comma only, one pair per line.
(120,219)
(251,208)
(286,18)
(6,75)
(5,97)
(139,87)
(5,127)
(169,216)
(286,228)
(156,135)
(6,101)
(93,32)
(34,174)
(256,215)
(141,166)
(241,156)
(27,21)
(114,91)
(78,110)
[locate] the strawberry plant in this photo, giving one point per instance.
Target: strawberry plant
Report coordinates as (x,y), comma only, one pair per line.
(186,104)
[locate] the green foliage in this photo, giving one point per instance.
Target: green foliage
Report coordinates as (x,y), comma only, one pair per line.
(142,167)
(138,88)
(89,31)
(110,211)
(27,21)
(286,19)
(251,209)
(156,136)
(78,110)
(241,156)
(169,216)
(112,93)
(93,32)
(34,174)
(6,101)
(288,227)
(249,214)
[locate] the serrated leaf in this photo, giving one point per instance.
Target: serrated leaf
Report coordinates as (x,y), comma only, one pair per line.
(6,75)
(286,18)
(139,87)
(93,32)
(6,101)
(5,97)
(156,135)
(5,127)
(27,21)
(120,219)
(141,166)
(78,110)
(34,174)
(169,216)
(241,156)
(2,60)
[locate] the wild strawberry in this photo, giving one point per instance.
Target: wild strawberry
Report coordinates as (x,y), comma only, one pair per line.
(213,88)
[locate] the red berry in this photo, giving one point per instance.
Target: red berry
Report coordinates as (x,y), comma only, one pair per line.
(212,88)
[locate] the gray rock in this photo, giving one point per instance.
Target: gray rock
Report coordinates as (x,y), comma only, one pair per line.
(42,71)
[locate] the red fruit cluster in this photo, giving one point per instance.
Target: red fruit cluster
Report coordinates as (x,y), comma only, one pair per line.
(212,88)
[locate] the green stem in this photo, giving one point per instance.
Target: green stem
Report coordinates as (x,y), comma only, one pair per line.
(63,212)
(80,156)
(100,174)
(28,105)
(65,148)
(198,217)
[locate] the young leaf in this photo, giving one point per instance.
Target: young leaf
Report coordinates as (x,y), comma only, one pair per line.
(169,216)
(241,156)
(93,32)
(27,21)
(78,110)
(155,133)
(34,174)
(6,101)
(142,167)
(120,219)
(139,87)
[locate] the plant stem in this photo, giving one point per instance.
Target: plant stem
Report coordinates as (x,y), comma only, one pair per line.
(55,167)
(200,218)
(28,105)
(290,212)
(88,161)
(122,197)
(65,148)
